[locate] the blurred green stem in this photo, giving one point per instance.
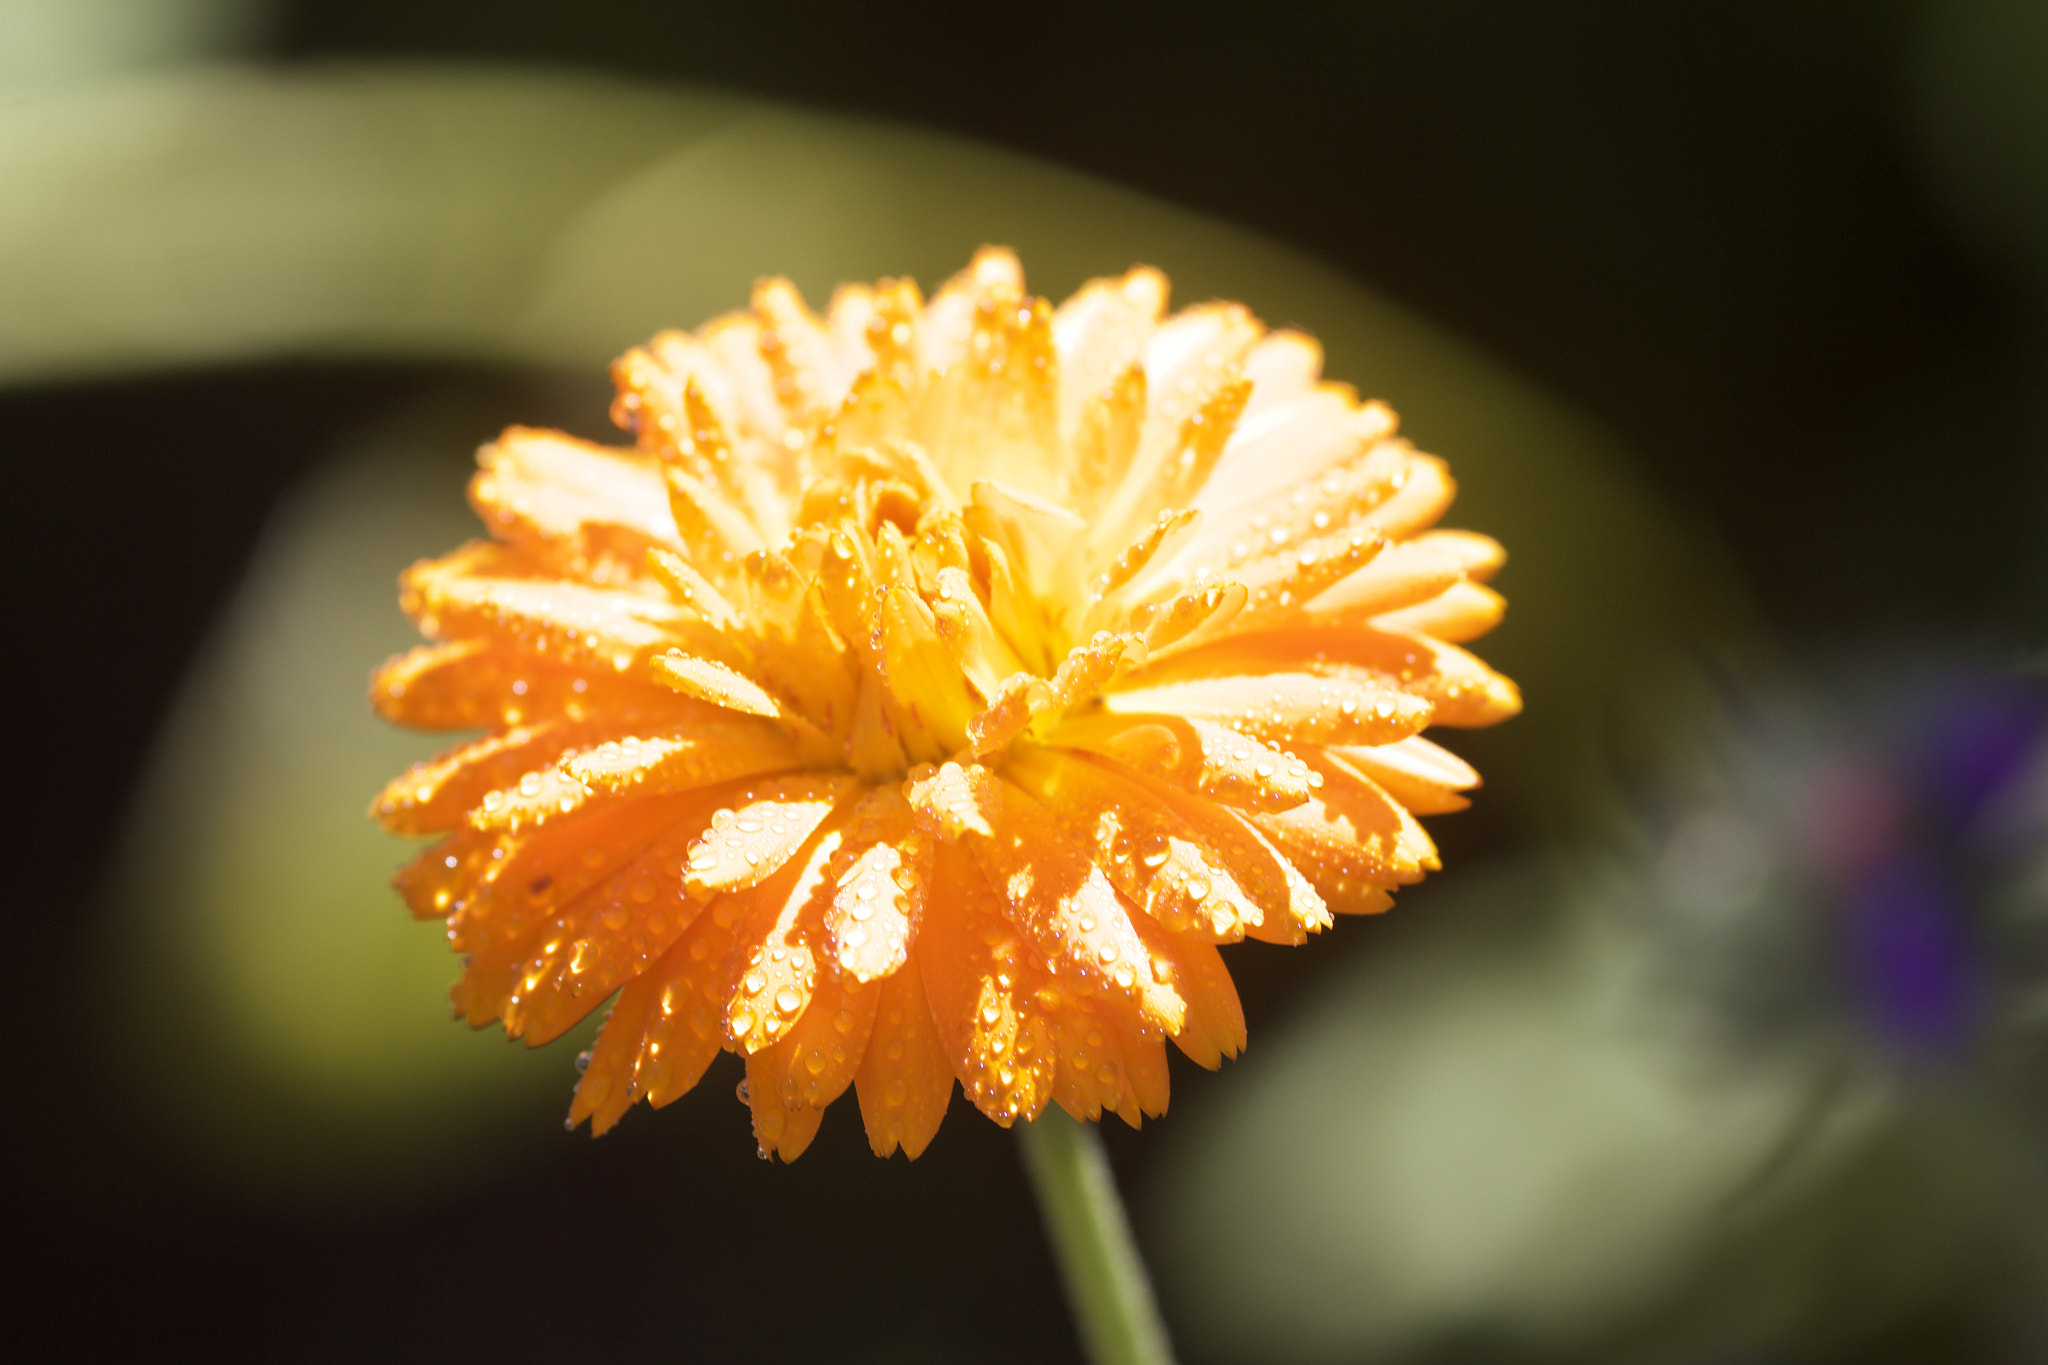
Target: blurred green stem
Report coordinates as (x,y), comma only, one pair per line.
(1091,1239)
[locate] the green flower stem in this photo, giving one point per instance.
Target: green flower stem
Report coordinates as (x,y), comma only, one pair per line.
(1091,1239)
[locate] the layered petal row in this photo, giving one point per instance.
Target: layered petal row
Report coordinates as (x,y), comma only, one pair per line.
(927,693)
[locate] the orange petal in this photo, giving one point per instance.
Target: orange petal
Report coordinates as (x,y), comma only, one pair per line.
(1464,691)
(692,589)
(947,323)
(436,796)
(1198,444)
(1104,434)
(716,748)
(1215,1022)
(734,342)
(607,935)
(1289,907)
(1196,755)
(488,590)
(1352,842)
(606,1091)
(881,893)
(1191,617)
(1276,452)
(1287,708)
(1423,494)
(905,1080)
(1284,366)
(715,532)
(1191,368)
(1157,541)
(776,975)
(763,830)
(974,963)
(440,794)
(686,1021)
(1148,852)
(572,504)
(662,1033)
(782,1132)
(509,887)
(994,409)
(438,880)
(799,352)
(1039,535)
(812,1065)
(1283,584)
(473,684)
(1145,1073)
(923,679)
(1090,1076)
(1063,904)
(970,638)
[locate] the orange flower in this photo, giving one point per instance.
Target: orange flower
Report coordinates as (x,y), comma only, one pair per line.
(928,695)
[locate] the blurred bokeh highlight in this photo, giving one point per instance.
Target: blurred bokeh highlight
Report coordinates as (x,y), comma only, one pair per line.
(1723,1035)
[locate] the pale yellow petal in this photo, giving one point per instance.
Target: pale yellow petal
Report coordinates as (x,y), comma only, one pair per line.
(947,323)
(993,411)
(1420,775)
(1461,612)
(802,358)
(1101,332)
(1411,572)
(1283,366)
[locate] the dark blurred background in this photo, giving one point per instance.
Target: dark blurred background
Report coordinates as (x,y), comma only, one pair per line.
(1757,242)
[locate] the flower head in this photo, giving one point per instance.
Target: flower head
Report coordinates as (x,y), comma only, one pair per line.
(928,695)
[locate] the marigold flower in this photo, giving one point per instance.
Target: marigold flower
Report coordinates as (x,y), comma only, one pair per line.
(928,695)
